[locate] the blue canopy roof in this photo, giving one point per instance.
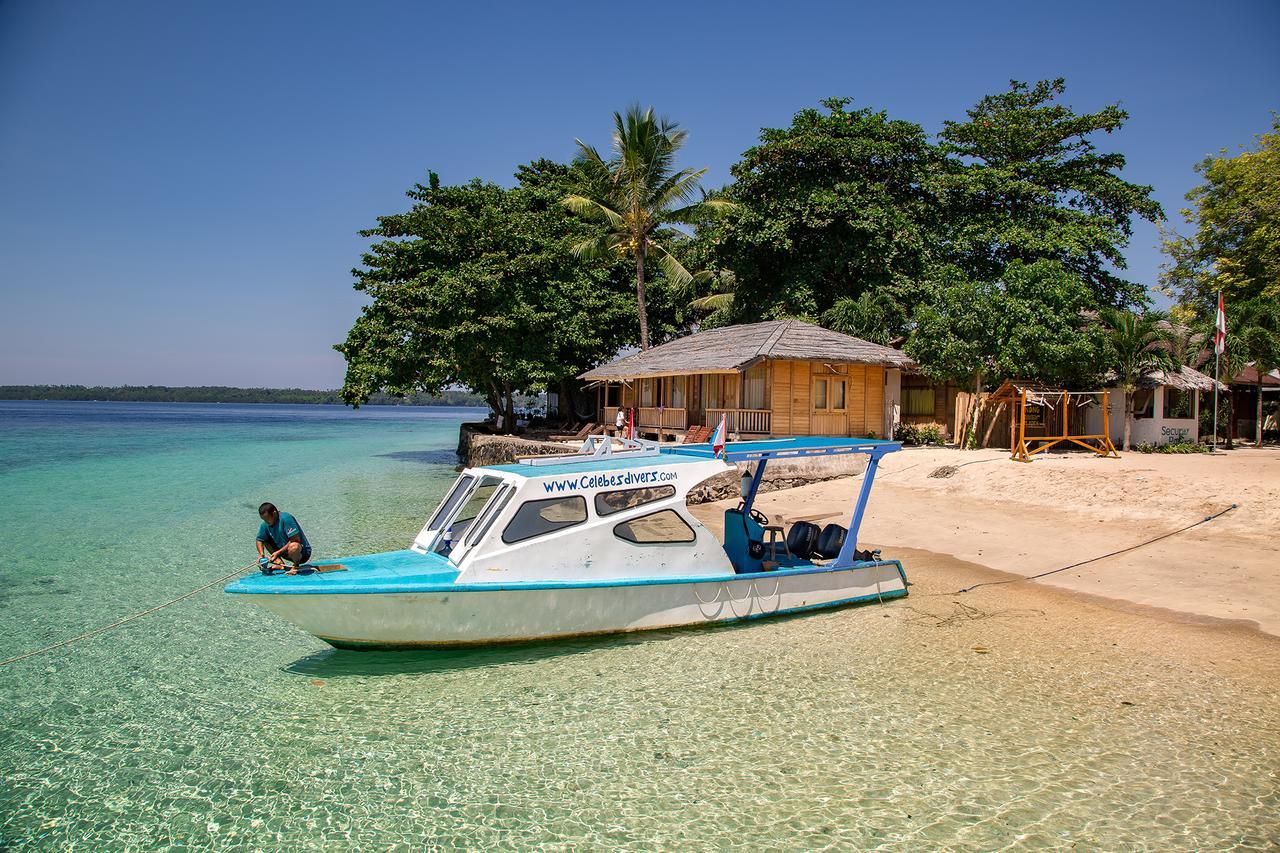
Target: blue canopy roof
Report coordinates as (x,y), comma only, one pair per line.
(781,448)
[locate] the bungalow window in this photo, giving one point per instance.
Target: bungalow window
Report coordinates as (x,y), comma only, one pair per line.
(657,528)
(534,518)
(917,401)
(753,382)
(1177,404)
(1143,403)
(677,392)
(612,395)
(828,394)
(711,396)
(648,392)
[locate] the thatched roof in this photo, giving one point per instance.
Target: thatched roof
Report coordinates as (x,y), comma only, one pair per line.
(733,349)
(1184,379)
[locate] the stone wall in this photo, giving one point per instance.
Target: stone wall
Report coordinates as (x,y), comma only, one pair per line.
(477,446)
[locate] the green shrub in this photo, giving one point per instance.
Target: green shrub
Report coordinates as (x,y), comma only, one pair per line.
(918,434)
(1173,447)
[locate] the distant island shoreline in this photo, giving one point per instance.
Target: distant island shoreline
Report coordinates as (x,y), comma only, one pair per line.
(221,394)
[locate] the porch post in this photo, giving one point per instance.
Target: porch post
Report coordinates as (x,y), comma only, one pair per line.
(846,556)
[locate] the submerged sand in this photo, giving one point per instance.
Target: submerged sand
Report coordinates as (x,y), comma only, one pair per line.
(1025,519)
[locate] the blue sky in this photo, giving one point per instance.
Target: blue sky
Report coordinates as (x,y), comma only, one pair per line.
(181,183)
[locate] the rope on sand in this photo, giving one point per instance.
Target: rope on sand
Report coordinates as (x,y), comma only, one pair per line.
(96,631)
(1143,544)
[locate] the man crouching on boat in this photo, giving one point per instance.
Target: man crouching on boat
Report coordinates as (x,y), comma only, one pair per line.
(280,538)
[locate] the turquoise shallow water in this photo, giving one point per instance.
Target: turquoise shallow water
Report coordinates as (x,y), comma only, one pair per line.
(214,725)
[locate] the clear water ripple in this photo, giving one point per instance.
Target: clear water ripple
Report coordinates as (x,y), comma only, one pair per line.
(214,725)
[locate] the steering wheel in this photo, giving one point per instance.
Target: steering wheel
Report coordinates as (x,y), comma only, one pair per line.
(756,515)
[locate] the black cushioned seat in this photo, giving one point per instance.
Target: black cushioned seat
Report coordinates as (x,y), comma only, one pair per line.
(831,540)
(802,539)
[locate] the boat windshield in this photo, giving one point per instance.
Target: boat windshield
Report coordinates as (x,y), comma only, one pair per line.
(457,517)
(459,491)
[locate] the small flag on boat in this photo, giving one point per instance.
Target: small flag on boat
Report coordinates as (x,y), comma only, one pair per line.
(1220,328)
(717,438)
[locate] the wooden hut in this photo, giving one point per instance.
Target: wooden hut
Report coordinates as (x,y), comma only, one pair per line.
(776,378)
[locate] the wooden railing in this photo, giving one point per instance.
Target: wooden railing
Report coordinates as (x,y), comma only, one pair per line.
(650,417)
(667,418)
(754,421)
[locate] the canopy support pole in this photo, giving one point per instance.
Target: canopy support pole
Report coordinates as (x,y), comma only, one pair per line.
(756,478)
(849,549)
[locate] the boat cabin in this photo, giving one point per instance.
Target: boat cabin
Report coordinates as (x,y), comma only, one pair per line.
(607,514)
(777,378)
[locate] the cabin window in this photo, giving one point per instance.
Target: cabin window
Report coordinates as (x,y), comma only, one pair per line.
(917,401)
(1143,403)
(607,503)
(455,496)
(677,392)
(828,394)
(477,499)
(534,518)
(490,514)
(662,527)
(753,382)
(612,395)
(647,392)
(1177,404)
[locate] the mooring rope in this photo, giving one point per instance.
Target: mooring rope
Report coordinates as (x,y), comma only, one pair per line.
(87,634)
(1142,544)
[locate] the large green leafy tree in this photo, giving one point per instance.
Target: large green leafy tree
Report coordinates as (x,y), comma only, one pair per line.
(635,195)
(830,208)
(1026,182)
(1236,216)
(477,285)
(1136,346)
(1034,318)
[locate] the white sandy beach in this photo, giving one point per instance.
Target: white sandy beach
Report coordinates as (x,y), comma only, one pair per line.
(1029,518)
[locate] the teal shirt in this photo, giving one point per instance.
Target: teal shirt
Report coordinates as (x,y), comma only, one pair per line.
(275,535)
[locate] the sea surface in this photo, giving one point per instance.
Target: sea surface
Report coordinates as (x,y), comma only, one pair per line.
(214,725)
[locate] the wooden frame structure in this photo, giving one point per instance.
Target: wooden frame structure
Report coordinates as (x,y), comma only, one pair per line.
(1022,393)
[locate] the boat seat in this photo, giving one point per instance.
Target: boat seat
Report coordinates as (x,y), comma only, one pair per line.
(831,540)
(802,539)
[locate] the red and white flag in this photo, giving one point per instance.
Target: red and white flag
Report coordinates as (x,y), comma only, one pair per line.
(1220,328)
(717,439)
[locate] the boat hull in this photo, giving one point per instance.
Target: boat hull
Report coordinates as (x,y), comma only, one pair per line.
(474,615)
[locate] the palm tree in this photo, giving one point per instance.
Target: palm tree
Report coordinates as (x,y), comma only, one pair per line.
(635,193)
(723,290)
(1138,345)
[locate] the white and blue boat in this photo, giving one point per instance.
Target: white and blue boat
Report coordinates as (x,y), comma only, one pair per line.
(598,542)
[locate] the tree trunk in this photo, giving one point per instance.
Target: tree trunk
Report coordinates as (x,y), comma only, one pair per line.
(1231,417)
(509,402)
(973,415)
(1128,417)
(640,305)
(1258,428)
(493,397)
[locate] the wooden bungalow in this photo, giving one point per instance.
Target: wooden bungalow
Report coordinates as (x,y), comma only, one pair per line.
(776,378)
